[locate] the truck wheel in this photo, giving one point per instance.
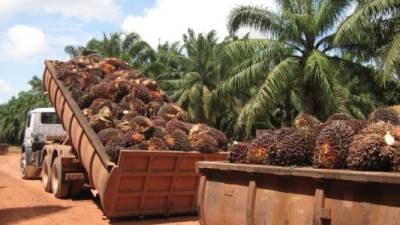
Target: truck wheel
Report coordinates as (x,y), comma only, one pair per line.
(59,189)
(22,166)
(45,174)
(27,172)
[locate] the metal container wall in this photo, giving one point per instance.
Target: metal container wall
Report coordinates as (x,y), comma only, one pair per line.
(154,183)
(143,182)
(250,194)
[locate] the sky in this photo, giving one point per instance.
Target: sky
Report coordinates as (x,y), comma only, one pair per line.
(35,30)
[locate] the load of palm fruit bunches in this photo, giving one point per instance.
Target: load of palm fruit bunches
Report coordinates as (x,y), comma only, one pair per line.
(341,142)
(129,111)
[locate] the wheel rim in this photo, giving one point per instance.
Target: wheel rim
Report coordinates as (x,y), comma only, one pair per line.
(23,165)
(54,180)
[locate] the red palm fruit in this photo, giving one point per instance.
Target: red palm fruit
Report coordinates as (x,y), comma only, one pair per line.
(157,144)
(238,152)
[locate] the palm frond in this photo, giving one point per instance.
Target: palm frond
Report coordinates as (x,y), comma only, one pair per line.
(266,97)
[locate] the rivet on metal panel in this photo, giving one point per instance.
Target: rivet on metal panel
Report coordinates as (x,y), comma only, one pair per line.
(251,197)
(322,216)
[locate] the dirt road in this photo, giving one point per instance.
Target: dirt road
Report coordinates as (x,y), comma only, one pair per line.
(25,202)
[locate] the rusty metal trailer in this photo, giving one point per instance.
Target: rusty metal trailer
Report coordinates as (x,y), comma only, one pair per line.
(256,195)
(141,183)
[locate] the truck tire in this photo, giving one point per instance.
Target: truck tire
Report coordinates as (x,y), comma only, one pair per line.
(22,166)
(46,174)
(60,190)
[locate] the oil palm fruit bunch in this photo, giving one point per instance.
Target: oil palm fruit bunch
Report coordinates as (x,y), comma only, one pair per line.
(132,137)
(203,142)
(358,125)
(374,152)
(106,134)
(141,146)
(306,120)
(159,132)
(333,144)
(293,147)
(257,155)
(153,107)
(128,110)
(157,144)
(125,125)
(386,114)
(178,140)
(260,147)
(145,124)
(131,103)
(88,79)
(202,128)
(159,121)
(396,109)
(171,111)
(113,146)
(99,103)
(339,116)
(238,152)
(376,148)
(380,128)
(336,117)
(176,124)
(102,119)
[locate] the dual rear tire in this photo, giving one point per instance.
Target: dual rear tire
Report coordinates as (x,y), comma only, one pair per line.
(52,179)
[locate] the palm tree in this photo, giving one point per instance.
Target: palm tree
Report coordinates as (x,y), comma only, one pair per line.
(14,113)
(193,77)
(73,51)
(296,68)
(168,60)
(375,26)
(129,47)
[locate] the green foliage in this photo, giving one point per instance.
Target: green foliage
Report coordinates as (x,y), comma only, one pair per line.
(129,47)
(13,114)
(298,66)
(191,83)
(374,31)
(313,59)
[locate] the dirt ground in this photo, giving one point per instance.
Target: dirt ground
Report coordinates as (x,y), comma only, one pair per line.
(25,202)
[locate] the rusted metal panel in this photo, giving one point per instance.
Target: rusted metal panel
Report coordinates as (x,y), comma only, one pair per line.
(251,194)
(143,182)
(159,182)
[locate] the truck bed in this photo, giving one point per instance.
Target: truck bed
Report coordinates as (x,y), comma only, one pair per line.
(142,182)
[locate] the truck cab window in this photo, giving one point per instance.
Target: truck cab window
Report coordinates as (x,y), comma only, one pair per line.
(49,118)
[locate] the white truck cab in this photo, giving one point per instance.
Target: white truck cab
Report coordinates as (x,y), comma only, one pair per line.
(42,125)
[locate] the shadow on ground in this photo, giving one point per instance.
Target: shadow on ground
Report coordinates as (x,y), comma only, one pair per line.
(13,215)
(190,219)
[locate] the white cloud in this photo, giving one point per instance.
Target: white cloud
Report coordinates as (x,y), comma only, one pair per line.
(169,19)
(102,10)
(6,91)
(23,43)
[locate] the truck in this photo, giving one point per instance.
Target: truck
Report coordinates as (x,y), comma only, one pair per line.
(42,126)
(140,183)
